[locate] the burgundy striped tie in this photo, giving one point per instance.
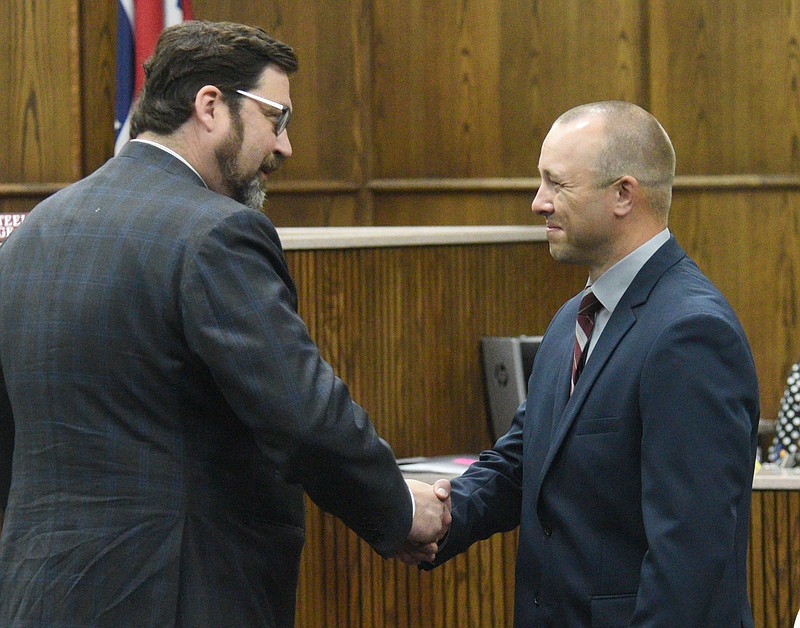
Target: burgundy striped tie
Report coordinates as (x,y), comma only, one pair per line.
(583,333)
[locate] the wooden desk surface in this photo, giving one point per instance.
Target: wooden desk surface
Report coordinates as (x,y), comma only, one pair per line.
(772,479)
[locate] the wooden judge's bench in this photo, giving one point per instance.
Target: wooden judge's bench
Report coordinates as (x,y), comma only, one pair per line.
(399,313)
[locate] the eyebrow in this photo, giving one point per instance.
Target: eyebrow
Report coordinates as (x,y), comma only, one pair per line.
(275,105)
(284,115)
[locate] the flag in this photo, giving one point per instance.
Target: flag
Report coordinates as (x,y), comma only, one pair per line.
(139,23)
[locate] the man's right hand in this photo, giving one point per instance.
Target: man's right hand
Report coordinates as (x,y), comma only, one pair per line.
(431,521)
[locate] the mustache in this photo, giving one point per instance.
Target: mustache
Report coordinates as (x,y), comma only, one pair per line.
(272,163)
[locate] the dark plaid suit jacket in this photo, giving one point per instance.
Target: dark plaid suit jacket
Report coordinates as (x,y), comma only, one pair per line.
(166,408)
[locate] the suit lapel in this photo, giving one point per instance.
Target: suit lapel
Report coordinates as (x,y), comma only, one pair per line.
(615,331)
(618,326)
(563,381)
(621,321)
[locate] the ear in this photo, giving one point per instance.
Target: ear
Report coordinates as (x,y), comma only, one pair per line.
(626,191)
(208,105)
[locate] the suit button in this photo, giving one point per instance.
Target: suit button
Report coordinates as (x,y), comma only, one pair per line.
(536,600)
(547,529)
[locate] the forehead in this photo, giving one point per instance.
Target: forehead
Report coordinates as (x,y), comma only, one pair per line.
(274,85)
(572,145)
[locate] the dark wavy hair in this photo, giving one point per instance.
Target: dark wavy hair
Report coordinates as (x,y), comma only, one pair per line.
(196,53)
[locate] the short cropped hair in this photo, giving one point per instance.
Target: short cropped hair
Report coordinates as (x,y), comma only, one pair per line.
(636,145)
(196,53)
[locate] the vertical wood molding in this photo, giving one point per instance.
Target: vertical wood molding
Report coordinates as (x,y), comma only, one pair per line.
(75,91)
(362,124)
(97,52)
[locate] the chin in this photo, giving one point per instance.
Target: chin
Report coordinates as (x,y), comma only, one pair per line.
(251,194)
(564,254)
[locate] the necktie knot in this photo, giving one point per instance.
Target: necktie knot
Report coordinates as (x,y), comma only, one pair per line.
(587,310)
(590,305)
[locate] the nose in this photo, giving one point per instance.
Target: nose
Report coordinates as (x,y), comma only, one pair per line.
(542,204)
(283,145)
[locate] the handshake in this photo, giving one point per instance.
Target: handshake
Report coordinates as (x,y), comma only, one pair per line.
(431,521)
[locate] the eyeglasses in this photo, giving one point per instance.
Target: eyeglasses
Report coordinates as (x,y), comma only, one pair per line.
(283,117)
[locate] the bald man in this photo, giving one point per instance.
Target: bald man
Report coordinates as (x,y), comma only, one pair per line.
(628,469)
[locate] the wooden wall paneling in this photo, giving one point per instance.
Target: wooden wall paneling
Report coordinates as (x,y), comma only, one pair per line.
(40,123)
(755,558)
(98,32)
(726,83)
(435,78)
(12,204)
(508,558)
(455,208)
(326,132)
(748,243)
(793,553)
(363,114)
(369,310)
(779,573)
(477,588)
(525,102)
(555,55)
(470,89)
(313,209)
(394,322)
(350,585)
(482,587)
(774,557)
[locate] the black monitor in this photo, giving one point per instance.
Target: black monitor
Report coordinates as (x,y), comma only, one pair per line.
(507,364)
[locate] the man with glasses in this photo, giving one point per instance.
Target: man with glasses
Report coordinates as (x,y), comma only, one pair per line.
(163,401)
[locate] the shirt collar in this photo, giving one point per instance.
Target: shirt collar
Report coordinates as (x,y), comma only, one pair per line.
(613,283)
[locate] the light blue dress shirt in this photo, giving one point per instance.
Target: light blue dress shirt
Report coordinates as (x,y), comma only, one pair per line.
(612,284)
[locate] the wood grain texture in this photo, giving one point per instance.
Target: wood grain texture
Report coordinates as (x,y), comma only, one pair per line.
(40,128)
(402,327)
(475,207)
(98,32)
(726,83)
(393,322)
(344,583)
(774,558)
(469,89)
(17,205)
(327,92)
(322,209)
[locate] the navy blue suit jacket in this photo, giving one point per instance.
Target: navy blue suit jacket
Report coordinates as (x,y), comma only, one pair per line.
(632,495)
(166,408)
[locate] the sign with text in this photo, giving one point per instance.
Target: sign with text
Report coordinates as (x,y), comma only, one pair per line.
(9,222)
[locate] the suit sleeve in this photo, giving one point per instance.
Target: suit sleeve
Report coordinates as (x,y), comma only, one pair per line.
(487,498)
(241,319)
(699,405)
(6,446)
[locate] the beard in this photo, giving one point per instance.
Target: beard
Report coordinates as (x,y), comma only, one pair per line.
(243,188)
